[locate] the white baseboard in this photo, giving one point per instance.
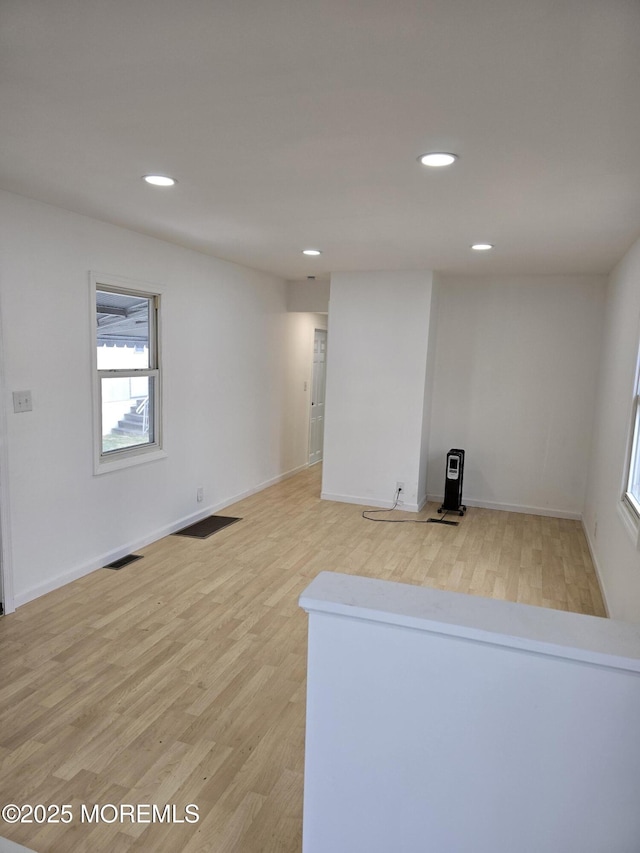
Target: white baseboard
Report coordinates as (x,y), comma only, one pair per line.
(368,502)
(594,560)
(529,510)
(159,533)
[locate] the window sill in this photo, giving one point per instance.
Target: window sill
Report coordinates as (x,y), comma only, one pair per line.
(631,522)
(104,466)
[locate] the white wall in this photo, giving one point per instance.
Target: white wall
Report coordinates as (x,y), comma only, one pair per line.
(516,361)
(376,365)
(235,413)
(308,295)
(614,552)
(429,381)
(459,724)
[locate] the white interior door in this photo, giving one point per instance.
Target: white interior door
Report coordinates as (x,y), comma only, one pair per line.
(318,383)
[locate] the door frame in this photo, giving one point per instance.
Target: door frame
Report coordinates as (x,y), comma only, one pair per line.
(326,331)
(6,568)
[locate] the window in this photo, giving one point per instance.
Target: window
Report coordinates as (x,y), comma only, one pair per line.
(632,492)
(127,374)
(630,505)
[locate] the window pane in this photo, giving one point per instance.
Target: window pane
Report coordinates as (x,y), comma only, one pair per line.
(127,412)
(122,331)
(634,467)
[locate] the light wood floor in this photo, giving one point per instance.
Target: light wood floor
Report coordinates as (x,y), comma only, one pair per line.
(181,678)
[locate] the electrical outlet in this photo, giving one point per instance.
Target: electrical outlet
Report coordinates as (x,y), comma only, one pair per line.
(200,495)
(399,492)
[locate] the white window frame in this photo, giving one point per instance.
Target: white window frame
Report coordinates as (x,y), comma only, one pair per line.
(115,460)
(629,507)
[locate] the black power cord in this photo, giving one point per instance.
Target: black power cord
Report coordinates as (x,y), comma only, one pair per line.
(368,512)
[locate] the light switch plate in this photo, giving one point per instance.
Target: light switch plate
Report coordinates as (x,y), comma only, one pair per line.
(22,401)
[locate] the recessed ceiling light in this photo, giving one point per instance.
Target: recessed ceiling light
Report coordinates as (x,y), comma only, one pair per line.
(160,180)
(437,158)
(311,252)
(482,247)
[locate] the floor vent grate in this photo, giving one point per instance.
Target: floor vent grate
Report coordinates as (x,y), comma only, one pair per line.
(207,526)
(123,561)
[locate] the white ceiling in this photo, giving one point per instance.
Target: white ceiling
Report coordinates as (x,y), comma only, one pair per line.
(293,123)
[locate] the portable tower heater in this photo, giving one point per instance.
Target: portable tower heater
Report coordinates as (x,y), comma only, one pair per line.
(453,483)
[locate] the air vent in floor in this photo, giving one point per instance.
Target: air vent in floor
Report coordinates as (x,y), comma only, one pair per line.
(123,561)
